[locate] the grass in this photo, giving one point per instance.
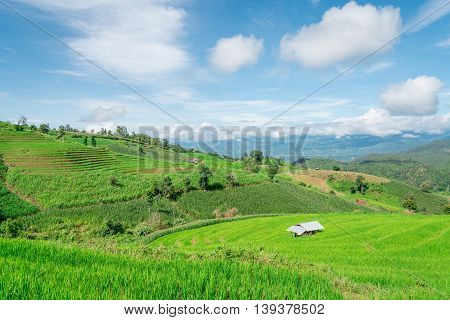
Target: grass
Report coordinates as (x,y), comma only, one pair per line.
(265,199)
(37,270)
(377,256)
(11,205)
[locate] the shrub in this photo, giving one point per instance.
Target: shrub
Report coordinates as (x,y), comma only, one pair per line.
(217,213)
(361,185)
(336,168)
(44,128)
(2,216)
(93,141)
(11,228)
(230,213)
(165,188)
(112,228)
(113,181)
(410,203)
(85,141)
(187,184)
(232,180)
(447,209)
(257,155)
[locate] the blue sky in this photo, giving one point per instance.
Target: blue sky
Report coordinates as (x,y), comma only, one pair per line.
(228,63)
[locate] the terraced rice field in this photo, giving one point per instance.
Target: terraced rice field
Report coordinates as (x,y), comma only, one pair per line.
(379,256)
(43,154)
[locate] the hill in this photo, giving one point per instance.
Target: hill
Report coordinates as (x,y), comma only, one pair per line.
(426,167)
(364,255)
(382,192)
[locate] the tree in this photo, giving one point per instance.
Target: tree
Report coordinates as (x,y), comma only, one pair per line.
(361,185)
(205,174)
(410,203)
(272,170)
(93,141)
(33,127)
(251,164)
(427,186)
(232,180)
(165,143)
(336,168)
(44,128)
(85,141)
(122,131)
(165,188)
(257,155)
(141,150)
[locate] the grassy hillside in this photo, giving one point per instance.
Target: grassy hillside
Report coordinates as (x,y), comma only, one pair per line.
(365,256)
(59,174)
(264,199)
(37,270)
(428,164)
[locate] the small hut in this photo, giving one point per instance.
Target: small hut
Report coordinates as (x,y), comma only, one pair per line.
(305,228)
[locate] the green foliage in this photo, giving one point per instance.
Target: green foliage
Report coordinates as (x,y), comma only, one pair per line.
(232,180)
(257,155)
(93,142)
(272,170)
(336,168)
(165,188)
(361,185)
(410,203)
(11,228)
(44,128)
(112,228)
(85,141)
(447,209)
(205,174)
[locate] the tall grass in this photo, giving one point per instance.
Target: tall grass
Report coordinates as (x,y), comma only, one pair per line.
(35,270)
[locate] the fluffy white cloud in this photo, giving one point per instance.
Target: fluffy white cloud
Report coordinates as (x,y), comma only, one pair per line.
(131,37)
(380,122)
(343,33)
(231,54)
(417,96)
(105,114)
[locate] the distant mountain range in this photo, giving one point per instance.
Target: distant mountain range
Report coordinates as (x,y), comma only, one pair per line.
(343,148)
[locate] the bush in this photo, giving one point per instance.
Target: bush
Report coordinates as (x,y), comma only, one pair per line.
(447,209)
(2,216)
(112,228)
(165,188)
(232,180)
(336,168)
(11,228)
(410,203)
(272,170)
(113,181)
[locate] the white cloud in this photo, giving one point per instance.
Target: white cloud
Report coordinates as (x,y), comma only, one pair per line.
(3,94)
(231,54)
(409,136)
(69,73)
(104,114)
(380,122)
(428,13)
(130,37)
(343,33)
(314,2)
(382,65)
(417,96)
(444,43)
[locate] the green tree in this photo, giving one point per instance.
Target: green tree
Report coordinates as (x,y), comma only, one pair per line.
(165,188)
(447,209)
(187,184)
(205,174)
(44,128)
(85,141)
(257,155)
(272,170)
(93,141)
(410,203)
(361,185)
(336,168)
